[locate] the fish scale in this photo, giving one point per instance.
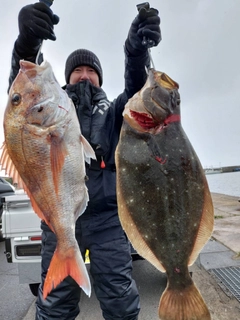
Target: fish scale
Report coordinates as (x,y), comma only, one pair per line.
(45,152)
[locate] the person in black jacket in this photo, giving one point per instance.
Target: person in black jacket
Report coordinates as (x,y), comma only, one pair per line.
(98,229)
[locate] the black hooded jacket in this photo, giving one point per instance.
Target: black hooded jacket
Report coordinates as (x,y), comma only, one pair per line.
(100,121)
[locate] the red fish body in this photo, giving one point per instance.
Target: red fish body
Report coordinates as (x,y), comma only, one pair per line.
(44,148)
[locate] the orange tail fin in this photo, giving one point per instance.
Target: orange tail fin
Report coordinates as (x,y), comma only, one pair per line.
(69,264)
(186,304)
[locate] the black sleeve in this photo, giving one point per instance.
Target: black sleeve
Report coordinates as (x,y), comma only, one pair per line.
(135,72)
(135,77)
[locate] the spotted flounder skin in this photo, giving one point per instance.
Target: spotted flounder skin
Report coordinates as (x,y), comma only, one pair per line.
(164,202)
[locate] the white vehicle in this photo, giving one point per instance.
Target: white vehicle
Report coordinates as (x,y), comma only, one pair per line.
(5,189)
(22,233)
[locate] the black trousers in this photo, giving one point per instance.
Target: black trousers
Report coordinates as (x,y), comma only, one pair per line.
(110,268)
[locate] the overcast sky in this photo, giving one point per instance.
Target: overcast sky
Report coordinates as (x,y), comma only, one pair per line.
(200,49)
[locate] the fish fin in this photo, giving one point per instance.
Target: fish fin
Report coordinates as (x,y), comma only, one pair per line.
(83,204)
(87,149)
(58,152)
(36,208)
(205,226)
(9,168)
(69,263)
(184,304)
(134,235)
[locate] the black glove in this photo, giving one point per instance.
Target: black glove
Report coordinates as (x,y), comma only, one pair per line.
(35,23)
(146,26)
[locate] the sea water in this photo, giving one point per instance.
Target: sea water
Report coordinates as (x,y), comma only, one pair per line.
(225,183)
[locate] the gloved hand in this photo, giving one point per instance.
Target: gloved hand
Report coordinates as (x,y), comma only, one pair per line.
(35,23)
(146,24)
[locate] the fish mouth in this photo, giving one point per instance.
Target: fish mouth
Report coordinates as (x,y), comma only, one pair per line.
(155,105)
(47,100)
(26,65)
(159,95)
(30,69)
(35,72)
(163,80)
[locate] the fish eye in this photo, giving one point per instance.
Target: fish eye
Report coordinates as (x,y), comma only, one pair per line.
(16,99)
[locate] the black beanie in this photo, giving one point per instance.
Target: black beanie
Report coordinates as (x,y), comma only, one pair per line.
(82,57)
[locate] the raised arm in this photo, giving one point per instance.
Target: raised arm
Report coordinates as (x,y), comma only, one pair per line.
(35,23)
(144,33)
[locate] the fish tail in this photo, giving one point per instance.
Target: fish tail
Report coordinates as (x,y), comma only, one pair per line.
(184,304)
(68,264)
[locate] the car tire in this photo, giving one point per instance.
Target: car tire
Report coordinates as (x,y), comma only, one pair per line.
(34,288)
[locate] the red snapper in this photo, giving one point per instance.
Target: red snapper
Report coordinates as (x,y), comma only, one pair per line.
(45,149)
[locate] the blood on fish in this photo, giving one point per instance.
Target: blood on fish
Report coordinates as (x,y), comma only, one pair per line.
(161,160)
(147,122)
(172,118)
(143,119)
(177,270)
(62,108)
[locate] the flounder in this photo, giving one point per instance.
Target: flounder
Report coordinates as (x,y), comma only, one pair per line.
(164,202)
